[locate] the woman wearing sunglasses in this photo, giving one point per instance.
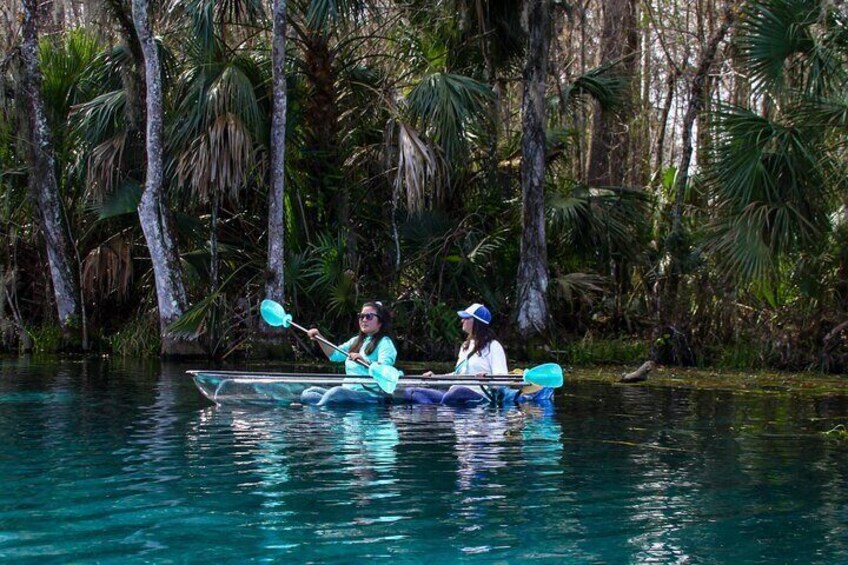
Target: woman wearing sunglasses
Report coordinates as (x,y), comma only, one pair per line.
(373,344)
(481,354)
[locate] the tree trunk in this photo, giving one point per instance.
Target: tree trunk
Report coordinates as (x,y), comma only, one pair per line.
(610,151)
(490,76)
(673,317)
(696,103)
(44,188)
(532,300)
(614,153)
(663,124)
(321,116)
(133,79)
(152,212)
(274,285)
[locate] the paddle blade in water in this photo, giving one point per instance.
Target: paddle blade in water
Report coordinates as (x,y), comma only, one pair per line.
(386,376)
(274,314)
(549,374)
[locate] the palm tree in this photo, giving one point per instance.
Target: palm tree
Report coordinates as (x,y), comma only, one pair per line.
(318,31)
(152,210)
(44,189)
(275,284)
(777,171)
(532,283)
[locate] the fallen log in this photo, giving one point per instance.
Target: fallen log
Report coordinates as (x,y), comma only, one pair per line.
(639,374)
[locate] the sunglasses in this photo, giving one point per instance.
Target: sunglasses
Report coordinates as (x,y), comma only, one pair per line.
(369,316)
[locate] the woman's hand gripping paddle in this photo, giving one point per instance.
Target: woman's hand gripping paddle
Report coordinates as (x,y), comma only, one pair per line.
(549,375)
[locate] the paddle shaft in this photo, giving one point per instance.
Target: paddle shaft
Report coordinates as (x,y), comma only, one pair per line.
(513,379)
(505,377)
(328,344)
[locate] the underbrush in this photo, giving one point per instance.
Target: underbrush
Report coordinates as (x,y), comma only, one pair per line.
(740,357)
(617,351)
(46,338)
(138,338)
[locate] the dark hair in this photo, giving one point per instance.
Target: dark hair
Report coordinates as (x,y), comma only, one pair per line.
(482,335)
(384,331)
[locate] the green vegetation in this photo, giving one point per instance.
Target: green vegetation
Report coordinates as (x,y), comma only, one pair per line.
(622,351)
(403,177)
(838,433)
(46,338)
(138,337)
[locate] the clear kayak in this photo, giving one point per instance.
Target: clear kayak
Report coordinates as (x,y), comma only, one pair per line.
(285,388)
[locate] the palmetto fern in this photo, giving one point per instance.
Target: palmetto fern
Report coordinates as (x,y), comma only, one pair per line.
(777,174)
(792,45)
(332,280)
(595,222)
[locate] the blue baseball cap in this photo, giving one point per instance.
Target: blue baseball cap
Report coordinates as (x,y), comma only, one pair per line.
(478,312)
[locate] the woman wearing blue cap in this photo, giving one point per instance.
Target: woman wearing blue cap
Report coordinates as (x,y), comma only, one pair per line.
(481,354)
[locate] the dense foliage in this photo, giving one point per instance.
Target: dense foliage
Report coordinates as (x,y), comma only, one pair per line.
(402,175)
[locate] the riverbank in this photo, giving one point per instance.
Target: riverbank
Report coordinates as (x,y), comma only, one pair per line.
(810,383)
(806,382)
(761,382)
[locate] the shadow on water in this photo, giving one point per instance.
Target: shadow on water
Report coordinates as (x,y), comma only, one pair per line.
(109,460)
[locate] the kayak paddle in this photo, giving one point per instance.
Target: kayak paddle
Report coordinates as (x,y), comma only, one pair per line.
(275,315)
(548,374)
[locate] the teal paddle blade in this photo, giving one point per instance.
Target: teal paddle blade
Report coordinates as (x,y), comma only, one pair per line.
(274,314)
(549,374)
(386,376)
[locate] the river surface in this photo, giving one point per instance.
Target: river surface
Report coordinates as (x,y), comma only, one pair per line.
(121,462)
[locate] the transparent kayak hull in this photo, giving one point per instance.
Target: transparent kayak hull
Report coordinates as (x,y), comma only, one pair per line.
(285,388)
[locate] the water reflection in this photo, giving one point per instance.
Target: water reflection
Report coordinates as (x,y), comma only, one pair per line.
(329,476)
(318,472)
(113,461)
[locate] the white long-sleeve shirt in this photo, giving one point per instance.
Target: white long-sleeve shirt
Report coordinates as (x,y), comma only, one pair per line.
(491,361)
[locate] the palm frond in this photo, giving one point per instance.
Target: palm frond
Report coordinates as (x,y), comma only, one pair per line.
(486,249)
(444,106)
(777,45)
(207,17)
(740,250)
(123,200)
(108,269)
(331,278)
(100,125)
(207,316)
(598,222)
(220,121)
(64,68)
(100,117)
(773,172)
(323,14)
(196,320)
(420,170)
(580,287)
(600,85)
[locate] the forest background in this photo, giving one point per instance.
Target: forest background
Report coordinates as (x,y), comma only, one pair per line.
(616,179)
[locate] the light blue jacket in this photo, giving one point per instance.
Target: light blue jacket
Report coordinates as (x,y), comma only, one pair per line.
(385,353)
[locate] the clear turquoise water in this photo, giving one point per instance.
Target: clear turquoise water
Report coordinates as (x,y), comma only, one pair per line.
(107,462)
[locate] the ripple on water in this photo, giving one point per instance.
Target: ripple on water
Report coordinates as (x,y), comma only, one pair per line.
(117,470)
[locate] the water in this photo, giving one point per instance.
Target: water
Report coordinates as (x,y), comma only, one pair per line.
(109,462)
